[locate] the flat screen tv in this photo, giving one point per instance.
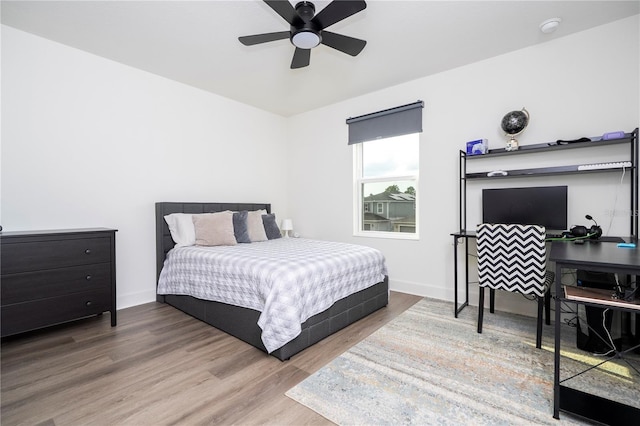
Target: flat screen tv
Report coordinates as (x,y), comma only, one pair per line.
(541,205)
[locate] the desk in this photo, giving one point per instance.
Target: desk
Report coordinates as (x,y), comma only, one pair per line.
(601,257)
(466,236)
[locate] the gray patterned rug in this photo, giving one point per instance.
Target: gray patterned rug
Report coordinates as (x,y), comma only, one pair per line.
(426,367)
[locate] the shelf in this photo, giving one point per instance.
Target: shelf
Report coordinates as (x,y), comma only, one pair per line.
(553,146)
(541,171)
(630,139)
(599,297)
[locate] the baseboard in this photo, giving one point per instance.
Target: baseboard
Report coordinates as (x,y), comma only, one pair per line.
(419,289)
(134,299)
(505,301)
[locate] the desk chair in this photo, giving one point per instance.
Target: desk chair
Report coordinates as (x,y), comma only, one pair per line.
(513,258)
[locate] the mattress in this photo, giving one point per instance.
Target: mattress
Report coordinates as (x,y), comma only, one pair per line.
(287,280)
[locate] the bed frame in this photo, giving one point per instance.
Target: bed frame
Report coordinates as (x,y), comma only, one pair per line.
(243,322)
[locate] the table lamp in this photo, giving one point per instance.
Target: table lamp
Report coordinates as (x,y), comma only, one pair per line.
(287,225)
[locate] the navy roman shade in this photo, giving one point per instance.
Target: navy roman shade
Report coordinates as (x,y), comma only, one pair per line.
(398,121)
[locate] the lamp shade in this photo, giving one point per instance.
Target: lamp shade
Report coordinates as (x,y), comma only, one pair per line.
(287,225)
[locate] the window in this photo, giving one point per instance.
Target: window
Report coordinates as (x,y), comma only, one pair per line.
(386,164)
(387,177)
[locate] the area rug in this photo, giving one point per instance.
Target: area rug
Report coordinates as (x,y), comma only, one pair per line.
(426,367)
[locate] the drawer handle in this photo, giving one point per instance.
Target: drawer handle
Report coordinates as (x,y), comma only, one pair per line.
(88,303)
(87,251)
(88,277)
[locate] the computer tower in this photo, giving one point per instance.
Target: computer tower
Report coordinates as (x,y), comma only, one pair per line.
(591,323)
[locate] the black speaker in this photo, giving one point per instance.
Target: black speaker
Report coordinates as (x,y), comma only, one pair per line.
(587,337)
(591,339)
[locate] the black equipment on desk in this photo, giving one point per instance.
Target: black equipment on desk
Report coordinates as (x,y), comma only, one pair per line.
(541,205)
(587,334)
(580,231)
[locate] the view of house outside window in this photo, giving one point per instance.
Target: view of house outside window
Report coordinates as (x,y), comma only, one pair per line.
(386,184)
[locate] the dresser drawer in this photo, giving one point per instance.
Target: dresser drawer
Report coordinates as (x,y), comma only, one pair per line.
(28,256)
(29,286)
(27,316)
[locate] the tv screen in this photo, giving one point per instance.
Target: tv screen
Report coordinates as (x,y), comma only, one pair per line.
(542,205)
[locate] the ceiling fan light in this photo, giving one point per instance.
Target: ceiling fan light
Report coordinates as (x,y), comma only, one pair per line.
(305,39)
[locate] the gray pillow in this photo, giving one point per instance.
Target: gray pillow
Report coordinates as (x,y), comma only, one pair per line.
(270,226)
(240,229)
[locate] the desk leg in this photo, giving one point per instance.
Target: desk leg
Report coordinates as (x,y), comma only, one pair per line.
(466,272)
(455,276)
(456,309)
(637,334)
(637,316)
(556,361)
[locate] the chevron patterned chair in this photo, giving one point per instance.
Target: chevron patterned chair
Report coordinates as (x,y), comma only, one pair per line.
(513,258)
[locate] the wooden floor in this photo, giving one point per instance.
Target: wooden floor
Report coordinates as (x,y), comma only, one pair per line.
(160,366)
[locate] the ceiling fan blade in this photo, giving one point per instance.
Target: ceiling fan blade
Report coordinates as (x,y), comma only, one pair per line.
(284,9)
(301,58)
(349,45)
(263,38)
(338,10)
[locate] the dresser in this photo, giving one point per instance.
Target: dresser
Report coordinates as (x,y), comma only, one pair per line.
(51,277)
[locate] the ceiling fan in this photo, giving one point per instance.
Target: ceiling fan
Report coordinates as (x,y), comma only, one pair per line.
(308,30)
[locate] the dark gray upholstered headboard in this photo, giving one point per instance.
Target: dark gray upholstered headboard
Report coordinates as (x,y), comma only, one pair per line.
(164,242)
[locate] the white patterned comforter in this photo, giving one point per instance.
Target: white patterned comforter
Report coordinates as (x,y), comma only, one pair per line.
(287,279)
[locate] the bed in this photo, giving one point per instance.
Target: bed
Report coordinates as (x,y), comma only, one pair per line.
(242,321)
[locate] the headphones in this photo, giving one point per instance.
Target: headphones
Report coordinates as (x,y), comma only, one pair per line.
(582,232)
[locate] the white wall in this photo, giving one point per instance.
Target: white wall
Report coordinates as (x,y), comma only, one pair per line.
(568,85)
(87,142)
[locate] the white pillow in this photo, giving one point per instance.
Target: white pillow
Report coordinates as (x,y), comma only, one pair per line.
(181,228)
(255,226)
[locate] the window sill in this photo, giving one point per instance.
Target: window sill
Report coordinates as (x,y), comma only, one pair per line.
(388,235)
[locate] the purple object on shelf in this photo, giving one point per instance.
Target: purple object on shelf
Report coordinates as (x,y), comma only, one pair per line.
(612,135)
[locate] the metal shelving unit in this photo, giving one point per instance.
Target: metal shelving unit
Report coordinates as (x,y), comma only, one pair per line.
(629,138)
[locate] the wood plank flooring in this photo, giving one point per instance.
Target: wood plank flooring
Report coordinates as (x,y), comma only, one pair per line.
(160,366)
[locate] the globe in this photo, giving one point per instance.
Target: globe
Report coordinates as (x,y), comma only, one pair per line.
(514,123)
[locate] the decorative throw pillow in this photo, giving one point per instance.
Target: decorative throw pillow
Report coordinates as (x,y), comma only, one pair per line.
(255,226)
(181,228)
(240,229)
(214,229)
(270,226)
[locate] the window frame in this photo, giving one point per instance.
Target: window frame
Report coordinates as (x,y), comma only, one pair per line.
(358,201)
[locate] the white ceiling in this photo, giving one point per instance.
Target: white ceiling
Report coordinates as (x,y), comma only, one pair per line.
(196,42)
